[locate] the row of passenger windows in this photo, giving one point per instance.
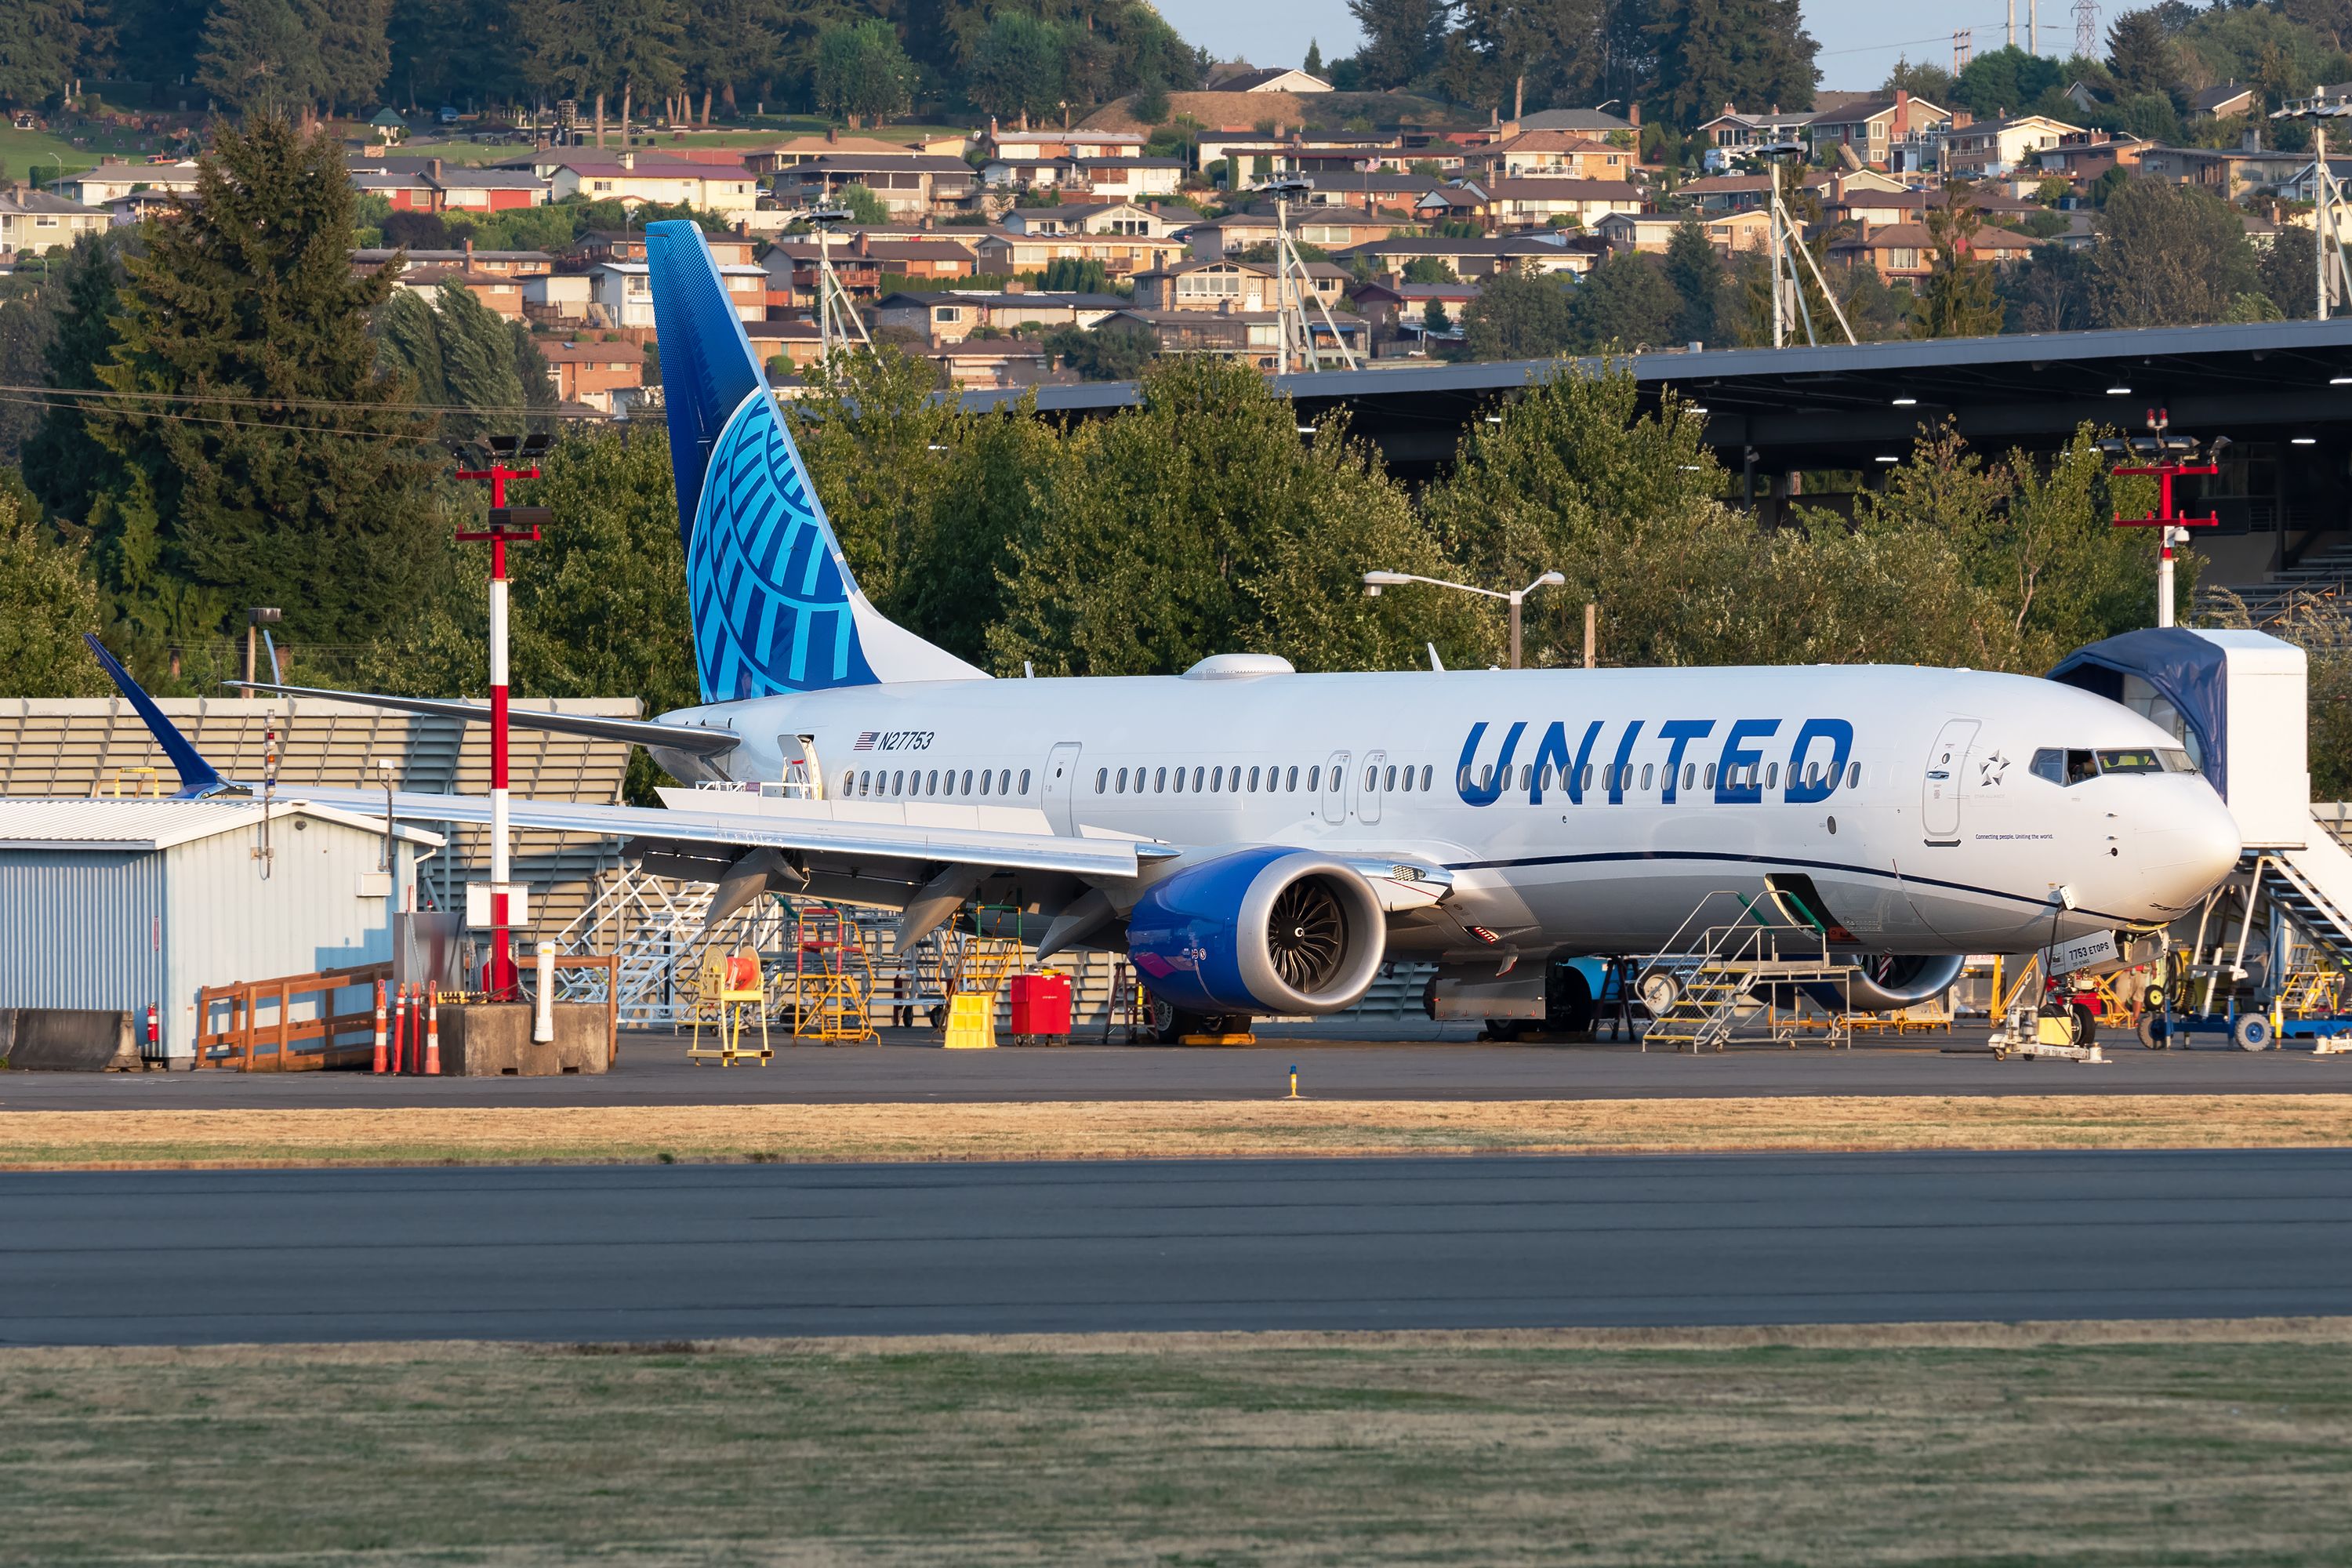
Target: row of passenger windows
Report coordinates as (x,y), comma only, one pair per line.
(910,782)
(1236,780)
(1622,777)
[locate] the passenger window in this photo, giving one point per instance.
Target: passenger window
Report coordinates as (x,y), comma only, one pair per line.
(1253,782)
(1160,781)
(983,781)
(849,783)
(1025,781)
(1772,776)
(1690,774)
(864,783)
(1853,776)
(1102,781)
(1709,778)
(1424,776)
(1587,783)
(1392,778)
(1197,774)
(1179,781)
(1004,781)
(1314,779)
(967,782)
(898,784)
(1216,780)
(1645,775)
(1121,787)
(1371,779)
(932,785)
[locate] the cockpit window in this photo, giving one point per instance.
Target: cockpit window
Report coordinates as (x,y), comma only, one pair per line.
(2136,760)
(2049,762)
(2073,767)
(2175,760)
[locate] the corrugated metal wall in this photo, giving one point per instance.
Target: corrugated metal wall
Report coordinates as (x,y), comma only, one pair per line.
(225,924)
(81,928)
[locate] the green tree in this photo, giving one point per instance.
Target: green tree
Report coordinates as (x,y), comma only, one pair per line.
(1921,79)
(2140,54)
(1429,269)
(1017,67)
(860,202)
(47,602)
(1696,273)
(61,464)
(1149,106)
(1401,39)
(353,44)
(1076,275)
(862,72)
(1105,353)
(28,325)
(1313,65)
(867,426)
(2003,82)
(1518,316)
(43,45)
(259,455)
(1624,302)
(258,56)
(1200,523)
(2168,256)
(1434,321)
(459,354)
(1748,52)
(1959,300)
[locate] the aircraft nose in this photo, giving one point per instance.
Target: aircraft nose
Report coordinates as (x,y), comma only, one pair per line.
(2184,851)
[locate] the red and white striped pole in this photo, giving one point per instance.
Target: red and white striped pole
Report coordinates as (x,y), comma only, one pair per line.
(518,525)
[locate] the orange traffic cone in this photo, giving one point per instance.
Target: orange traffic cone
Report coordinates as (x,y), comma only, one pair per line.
(433,1036)
(399,1029)
(380,1042)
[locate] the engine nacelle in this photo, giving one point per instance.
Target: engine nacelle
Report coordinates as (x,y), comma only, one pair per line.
(1896,980)
(1259,931)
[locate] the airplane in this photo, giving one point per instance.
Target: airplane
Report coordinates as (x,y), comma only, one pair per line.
(1261,842)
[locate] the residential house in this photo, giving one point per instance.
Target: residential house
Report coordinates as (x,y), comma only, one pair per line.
(797,340)
(1550,155)
(429,186)
(1249,78)
(629,245)
(1994,148)
(994,365)
(1738,192)
(590,372)
(861,261)
(1249,157)
(1901,251)
(2228,172)
(1213,238)
(950,318)
(1501,203)
(499,292)
(1389,305)
(1749,229)
(1121,255)
(638,179)
(1227,285)
(910,188)
(500,263)
(1096,217)
(141,206)
(34,221)
(558,299)
(1589,121)
(1252,336)
(801,150)
(622,292)
(1730,132)
(2224,102)
(1876,128)
(2083,158)
(1067,146)
(1483,258)
(2303,186)
(1128,179)
(111,182)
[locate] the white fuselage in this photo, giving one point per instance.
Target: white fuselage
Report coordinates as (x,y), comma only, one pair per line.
(1931,835)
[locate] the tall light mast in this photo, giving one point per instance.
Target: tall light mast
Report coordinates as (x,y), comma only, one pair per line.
(836,313)
(1785,245)
(1293,288)
(2335,283)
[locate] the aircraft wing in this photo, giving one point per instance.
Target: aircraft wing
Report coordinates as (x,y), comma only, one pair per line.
(697,740)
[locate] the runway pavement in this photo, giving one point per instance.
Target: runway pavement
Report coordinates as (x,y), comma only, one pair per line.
(653,1253)
(652,1070)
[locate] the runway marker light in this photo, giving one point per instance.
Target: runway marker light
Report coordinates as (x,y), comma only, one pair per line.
(1294,1080)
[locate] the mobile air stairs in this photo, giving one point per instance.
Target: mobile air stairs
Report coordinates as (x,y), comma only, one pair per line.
(1712,980)
(2237,699)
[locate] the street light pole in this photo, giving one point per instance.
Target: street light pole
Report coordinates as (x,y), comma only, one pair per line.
(1375,581)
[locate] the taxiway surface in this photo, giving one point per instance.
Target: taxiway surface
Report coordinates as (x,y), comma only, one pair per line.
(673,1252)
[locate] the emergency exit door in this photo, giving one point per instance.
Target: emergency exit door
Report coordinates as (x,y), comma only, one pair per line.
(1940,789)
(1060,798)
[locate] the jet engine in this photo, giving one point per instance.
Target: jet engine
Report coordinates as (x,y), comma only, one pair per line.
(1888,981)
(1265,930)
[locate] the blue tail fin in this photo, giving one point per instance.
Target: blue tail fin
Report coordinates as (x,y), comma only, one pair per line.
(198,778)
(774,604)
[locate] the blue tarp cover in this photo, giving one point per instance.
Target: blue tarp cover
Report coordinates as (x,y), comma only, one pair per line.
(2186,670)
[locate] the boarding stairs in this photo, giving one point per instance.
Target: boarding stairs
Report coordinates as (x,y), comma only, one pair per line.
(2322,575)
(1712,980)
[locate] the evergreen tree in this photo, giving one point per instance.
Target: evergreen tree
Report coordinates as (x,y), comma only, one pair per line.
(353,42)
(2006,81)
(1517,316)
(1922,79)
(61,464)
(1697,274)
(28,325)
(2168,256)
(462,355)
(257,459)
(2140,54)
(46,603)
(1625,303)
(1754,53)
(1017,68)
(1401,39)
(1313,65)
(861,71)
(258,55)
(1959,300)
(43,43)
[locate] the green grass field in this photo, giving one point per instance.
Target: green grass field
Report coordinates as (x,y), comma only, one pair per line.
(1839,1446)
(40,155)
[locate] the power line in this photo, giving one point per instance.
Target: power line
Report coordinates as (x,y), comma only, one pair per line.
(232,400)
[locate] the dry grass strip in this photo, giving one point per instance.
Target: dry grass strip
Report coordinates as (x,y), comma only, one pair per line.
(132,1139)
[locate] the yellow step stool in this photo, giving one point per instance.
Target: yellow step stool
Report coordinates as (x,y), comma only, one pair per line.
(971,1021)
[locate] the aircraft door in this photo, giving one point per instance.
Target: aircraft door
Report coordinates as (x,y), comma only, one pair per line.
(1940,789)
(1367,803)
(1335,789)
(1060,797)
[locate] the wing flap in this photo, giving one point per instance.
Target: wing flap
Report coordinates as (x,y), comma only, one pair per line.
(692,739)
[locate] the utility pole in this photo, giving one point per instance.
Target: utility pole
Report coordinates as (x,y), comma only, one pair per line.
(2033,27)
(2086,30)
(836,313)
(1293,288)
(2013,24)
(256,618)
(507,525)
(1785,245)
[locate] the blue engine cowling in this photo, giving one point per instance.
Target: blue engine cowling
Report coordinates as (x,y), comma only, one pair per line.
(1267,931)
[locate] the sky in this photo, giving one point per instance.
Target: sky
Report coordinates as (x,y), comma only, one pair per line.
(1859,38)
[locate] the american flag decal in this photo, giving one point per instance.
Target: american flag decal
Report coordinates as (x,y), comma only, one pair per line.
(866,741)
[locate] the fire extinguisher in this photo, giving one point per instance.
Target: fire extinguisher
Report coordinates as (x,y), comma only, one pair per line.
(154,1037)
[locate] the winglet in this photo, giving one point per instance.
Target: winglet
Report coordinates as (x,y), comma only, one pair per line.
(198,778)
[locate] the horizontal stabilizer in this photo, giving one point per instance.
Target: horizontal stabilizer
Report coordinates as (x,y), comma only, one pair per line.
(693,739)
